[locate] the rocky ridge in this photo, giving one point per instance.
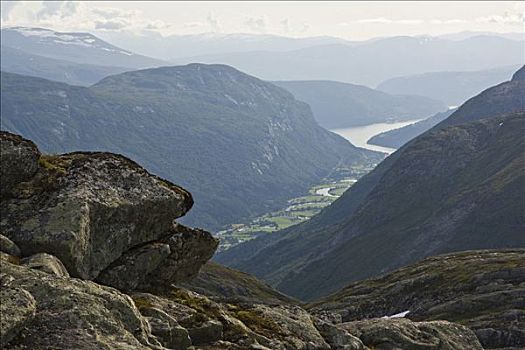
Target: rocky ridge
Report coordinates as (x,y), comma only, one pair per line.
(91,258)
(483,290)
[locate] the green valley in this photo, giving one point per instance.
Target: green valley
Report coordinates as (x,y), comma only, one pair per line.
(297,209)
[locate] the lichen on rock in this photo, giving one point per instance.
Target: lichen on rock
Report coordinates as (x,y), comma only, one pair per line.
(88,209)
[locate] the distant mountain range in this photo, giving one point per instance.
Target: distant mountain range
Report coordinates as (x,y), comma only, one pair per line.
(341,105)
(83,58)
(83,48)
(372,62)
(176,46)
(241,145)
(453,88)
(398,137)
(21,62)
(457,186)
(519,36)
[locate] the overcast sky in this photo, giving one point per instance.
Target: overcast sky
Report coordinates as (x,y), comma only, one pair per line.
(349,20)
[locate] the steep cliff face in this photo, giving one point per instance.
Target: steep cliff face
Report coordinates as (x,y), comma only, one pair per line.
(105,220)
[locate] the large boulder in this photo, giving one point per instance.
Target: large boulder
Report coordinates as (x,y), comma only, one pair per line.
(72,314)
(338,338)
(45,262)
(289,327)
(213,325)
(189,249)
(134,265)
(18,161)
(85,208)
(208,332)
(166,329)
(400,333)
(9,247)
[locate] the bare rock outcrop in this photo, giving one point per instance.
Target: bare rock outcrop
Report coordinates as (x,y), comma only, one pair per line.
(74,314)
(91,258)
(401,333)
(92,210)
(18,161)
(17,307)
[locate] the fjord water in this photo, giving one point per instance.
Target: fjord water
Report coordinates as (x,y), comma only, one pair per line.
(359,135)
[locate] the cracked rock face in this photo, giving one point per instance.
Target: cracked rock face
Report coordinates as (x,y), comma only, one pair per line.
(159,264)
(18,161)
(88,209)
(72,314)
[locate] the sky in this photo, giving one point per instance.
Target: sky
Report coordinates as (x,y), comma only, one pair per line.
(348,20)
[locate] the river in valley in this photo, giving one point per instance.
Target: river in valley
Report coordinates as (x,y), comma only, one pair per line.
(360,135)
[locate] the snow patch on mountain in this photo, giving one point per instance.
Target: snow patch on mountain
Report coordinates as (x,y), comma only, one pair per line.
(79,39)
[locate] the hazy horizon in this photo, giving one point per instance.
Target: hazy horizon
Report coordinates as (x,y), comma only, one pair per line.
(345,20)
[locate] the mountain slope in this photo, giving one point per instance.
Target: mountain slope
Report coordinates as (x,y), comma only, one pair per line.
(226,284)
(398,137)
(482,290)
(103,218)
(81,48)
(373,62)
(341,105)
(457,186)
(241,145)
(20,62)
(453,88)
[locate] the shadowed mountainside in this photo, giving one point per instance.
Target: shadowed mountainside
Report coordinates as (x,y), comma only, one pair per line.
(457,186)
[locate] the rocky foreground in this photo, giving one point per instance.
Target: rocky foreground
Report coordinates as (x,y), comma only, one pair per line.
(91,258)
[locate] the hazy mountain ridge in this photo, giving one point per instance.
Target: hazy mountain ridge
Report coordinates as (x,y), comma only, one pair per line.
(453,88)
(462,177)
(340,105)
(20,62)
(176,46)
(367,63)
(227,136)
(83,48)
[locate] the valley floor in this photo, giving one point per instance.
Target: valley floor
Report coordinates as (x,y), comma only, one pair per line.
(297,209)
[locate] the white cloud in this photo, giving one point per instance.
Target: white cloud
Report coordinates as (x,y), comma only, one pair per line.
(157,25)
(6,8)
(448,21)
(59,9)
(383,20)
(256,24)
(111,24)
(79,16)
(194,24)
(303,27)
(285,25)
(506,18)
(213,22)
